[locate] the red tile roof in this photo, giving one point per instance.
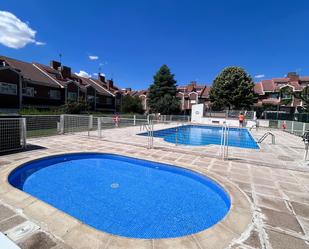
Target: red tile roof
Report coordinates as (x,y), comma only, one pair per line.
(268,85)
(91,82)
(304,78)
(30,72)
(258,88)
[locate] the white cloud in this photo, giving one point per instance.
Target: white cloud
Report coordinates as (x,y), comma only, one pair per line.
(14,33)
(83,74)
(93,57)
(259,76)
(40,43)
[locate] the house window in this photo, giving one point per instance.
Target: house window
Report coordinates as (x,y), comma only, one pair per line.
(28,91)
(90,98)
(54,94)
(72,96)
(274,95)
(98,100)
(7,88)
(109,101)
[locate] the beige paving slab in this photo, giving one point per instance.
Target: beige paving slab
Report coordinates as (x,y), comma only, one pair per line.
(282,220)
(181,243)
(11,222)
(253,240)
(124,243)
(60,224)
(284,241)
(39,210)
(300,209)
(38,240)
(272,203)
(83,237)
(218,237)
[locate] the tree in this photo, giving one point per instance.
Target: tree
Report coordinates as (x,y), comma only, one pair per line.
(162,93)
(232,89)
(131,104)
(75,107)
(304,97)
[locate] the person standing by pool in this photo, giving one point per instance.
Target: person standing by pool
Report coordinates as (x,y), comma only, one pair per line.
(241,119)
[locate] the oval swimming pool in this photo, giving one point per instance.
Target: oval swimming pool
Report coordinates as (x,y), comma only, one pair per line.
(125,196)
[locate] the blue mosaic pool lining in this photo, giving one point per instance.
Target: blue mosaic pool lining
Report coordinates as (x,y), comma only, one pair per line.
(125,196)
(199,135)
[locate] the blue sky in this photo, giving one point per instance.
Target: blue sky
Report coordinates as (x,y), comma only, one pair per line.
(132,39)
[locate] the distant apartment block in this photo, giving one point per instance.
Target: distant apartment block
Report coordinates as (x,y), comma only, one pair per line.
(279,91)
(24,85)
(188,95)
(192,94)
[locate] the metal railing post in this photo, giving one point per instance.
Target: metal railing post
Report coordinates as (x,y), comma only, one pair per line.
(90,125)
(99,127)
(24,133)
(176,138)
(134,120)
(62,124)
(152,128)
(227,142)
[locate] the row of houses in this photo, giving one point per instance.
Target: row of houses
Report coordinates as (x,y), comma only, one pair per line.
(33,85)
(26,85)
(188,95)
(277,92)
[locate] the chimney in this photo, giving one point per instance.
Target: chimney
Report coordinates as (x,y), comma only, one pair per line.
(55,64)
(193,83)
(66,72)
(110,84)
(128,89)
(293,76)
(101,77)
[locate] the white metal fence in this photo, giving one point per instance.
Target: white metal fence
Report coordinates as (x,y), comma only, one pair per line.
(230,114)
(12,134)
(42,125)
(14,131)
(294,127)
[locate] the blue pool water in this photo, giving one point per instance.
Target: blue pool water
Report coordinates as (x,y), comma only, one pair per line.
(125,196)
(204,135)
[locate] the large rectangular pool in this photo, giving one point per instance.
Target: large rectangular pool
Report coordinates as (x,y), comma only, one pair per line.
(199,135)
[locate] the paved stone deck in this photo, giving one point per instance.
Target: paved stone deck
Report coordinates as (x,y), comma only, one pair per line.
(276,182)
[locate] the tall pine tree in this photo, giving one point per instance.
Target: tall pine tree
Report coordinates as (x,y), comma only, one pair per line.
(162,93)
(232,89)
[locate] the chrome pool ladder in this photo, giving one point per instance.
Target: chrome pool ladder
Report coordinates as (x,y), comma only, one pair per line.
(273,138)
(149,128)
(224,147)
